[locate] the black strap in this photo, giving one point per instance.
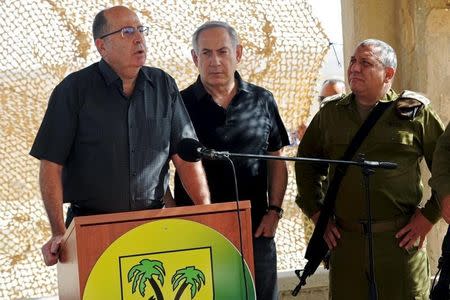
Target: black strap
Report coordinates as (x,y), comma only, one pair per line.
(317,247)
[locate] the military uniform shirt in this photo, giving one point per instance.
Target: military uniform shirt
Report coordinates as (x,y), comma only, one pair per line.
(393,192)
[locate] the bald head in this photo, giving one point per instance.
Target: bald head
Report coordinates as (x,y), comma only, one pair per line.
(101,25)
(331,87)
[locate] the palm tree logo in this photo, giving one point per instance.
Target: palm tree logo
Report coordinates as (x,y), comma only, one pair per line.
(145,271)
(189,276)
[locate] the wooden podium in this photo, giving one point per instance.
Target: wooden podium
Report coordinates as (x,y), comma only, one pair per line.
(88,237)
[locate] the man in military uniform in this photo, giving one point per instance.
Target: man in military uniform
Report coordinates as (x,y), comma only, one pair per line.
(405,133)
(440,181)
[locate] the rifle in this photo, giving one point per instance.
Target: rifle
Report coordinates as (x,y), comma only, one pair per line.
(317,247)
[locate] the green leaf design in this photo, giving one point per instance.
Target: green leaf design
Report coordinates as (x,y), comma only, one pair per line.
(145,271)
(188,276)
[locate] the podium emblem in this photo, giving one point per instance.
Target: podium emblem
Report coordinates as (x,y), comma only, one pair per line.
(180,274)
(172,259)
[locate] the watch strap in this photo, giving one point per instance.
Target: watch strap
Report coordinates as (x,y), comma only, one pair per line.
(277,209)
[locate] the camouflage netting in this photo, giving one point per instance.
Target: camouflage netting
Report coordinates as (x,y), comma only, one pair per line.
(42,41)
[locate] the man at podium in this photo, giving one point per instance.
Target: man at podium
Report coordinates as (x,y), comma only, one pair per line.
(110,130)
(232,115)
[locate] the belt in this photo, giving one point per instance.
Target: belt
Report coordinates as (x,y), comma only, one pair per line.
(77,211)
(377,226)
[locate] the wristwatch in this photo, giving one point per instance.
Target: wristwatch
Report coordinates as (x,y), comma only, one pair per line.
(278,210)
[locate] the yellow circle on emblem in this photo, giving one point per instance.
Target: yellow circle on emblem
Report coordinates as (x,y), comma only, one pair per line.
(170,259)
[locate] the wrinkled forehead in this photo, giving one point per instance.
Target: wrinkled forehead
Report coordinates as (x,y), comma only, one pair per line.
(214,38)
(368,52)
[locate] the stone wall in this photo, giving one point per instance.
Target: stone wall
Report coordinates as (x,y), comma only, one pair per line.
(419,31)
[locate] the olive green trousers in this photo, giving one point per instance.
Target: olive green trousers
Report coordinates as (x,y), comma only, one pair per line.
(399,274)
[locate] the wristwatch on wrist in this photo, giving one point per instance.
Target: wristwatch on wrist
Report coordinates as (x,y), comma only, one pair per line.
(277,209)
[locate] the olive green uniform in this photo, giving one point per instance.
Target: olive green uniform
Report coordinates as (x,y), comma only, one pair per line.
(395,194)
(440,180)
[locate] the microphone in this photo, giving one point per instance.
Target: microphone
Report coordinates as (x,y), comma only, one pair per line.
(381,164)
(191,150)
(188,150)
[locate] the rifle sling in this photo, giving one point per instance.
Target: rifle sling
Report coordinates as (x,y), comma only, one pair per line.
(317,242)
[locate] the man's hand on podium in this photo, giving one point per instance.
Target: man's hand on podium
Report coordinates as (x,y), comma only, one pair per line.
(50,250)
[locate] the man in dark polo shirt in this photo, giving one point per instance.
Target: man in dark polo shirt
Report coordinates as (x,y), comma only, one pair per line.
(110,130)
(230,114)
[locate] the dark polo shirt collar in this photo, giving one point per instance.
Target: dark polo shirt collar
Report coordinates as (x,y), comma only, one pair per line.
(110,76)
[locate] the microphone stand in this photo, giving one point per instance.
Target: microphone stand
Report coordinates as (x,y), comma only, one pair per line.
(212,154)
(367,171)
(367,168)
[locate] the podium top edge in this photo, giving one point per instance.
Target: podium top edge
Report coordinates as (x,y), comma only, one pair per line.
(169,212)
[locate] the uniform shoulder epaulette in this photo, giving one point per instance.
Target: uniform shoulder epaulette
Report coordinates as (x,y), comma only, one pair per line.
(331,99)
(409,104)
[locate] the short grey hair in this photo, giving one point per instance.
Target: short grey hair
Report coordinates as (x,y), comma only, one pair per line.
(386,53)
(214,24)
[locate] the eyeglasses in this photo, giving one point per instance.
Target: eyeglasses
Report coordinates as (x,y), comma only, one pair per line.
(128,31)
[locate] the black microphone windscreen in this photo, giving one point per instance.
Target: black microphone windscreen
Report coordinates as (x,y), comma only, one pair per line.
(187,149)
(388,165)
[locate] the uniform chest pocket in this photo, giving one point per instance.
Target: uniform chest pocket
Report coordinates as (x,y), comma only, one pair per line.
(336,143)
(396,138)
(396,146)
